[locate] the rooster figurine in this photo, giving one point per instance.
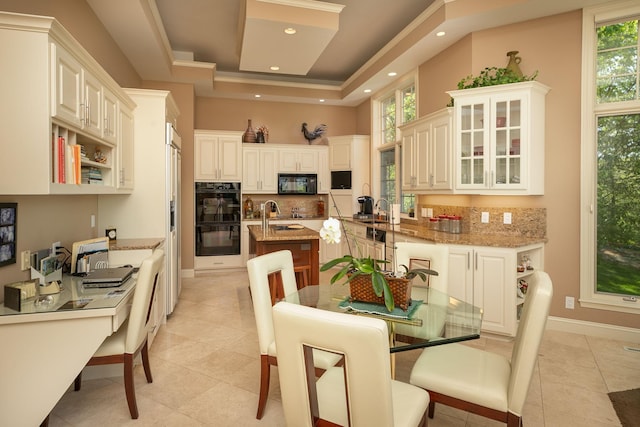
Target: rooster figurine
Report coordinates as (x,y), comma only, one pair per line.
(317,132)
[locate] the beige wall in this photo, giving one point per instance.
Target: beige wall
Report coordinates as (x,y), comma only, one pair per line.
(43,220)
(284,120)
(553,47)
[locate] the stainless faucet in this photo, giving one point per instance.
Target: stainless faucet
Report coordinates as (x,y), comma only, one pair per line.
(265,213)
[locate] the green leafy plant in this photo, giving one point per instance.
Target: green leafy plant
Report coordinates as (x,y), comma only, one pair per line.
(352,267)
(492,76)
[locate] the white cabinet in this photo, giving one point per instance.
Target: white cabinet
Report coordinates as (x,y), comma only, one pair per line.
(259,170)
(50,129)
(351,153)
(427,152)
(125,179)
(487,277)
(218,156)
(324,175)
(499,134)
(298,160)
(110,108)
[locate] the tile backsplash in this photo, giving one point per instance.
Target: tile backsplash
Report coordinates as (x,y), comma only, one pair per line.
(531,222)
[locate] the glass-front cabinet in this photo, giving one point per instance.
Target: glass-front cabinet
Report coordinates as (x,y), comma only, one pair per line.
(500,139)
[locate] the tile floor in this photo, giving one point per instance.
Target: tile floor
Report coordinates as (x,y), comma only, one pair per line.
(205,367)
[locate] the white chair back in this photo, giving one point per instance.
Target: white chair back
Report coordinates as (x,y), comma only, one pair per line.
(366,373)
(437,255)
(528,338)
(259,269)
(146,286)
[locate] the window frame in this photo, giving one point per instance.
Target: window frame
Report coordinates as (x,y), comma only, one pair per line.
(589,298)
(378,143)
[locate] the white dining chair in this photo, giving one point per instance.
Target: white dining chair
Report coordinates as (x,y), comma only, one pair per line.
(424,255)
(131,338)
(485,383)
(433,309)
(270,275)
(359,392)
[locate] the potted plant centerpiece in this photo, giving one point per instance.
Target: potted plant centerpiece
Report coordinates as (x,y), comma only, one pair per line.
(368,280)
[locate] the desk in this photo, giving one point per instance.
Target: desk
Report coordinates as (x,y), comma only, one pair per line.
(44,348)
(440,319)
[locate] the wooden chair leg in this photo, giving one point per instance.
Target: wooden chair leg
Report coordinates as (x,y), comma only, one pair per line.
(432,408)
(129,385)
(144,353)
(265,376)
(77,383)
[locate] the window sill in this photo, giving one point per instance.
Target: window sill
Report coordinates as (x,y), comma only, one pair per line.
(612,303)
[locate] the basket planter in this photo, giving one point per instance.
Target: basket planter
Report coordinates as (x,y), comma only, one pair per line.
(361,290)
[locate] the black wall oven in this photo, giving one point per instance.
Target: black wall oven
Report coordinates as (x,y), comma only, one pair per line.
(217,218)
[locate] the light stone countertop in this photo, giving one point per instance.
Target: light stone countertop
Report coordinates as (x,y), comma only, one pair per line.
(274,233)
(472,239)
(134,244)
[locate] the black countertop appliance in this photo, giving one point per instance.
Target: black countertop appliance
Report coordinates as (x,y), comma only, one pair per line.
(366,205)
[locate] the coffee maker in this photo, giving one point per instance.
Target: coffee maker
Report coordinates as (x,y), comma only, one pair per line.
(366,207)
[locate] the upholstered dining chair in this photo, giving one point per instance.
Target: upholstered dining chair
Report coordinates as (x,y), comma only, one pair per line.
(486,383)
(424,255)
(359,392)
(433,310)
(131,338)
(267,274)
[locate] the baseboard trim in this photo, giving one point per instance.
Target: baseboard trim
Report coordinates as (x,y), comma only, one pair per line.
(188,273)
(620,333)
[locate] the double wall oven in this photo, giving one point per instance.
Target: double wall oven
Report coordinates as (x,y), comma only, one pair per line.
(218,212)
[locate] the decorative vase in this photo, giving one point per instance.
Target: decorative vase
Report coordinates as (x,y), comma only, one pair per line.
(249,135)
(260,137)
(361,290)
(513,63)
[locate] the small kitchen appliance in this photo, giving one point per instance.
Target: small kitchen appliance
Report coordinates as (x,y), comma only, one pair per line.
(366,208)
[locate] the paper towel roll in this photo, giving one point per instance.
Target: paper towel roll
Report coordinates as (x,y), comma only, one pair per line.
(395,214)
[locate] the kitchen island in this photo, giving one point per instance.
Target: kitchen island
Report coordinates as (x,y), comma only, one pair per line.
(303,243)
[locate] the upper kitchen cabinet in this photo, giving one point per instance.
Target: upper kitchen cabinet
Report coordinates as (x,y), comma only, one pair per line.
(352,153)
(302,160)
(61,115)
(499,134)
(218,156)
(259,169)
(427,153)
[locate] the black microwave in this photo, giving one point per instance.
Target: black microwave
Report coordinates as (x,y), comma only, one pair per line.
(297,183)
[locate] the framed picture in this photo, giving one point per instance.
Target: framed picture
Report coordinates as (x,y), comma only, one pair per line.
(8,218)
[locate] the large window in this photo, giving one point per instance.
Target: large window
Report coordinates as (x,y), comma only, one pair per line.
(394,109)
(610,224)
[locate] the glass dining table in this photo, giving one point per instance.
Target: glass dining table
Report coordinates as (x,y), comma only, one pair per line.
(433,317)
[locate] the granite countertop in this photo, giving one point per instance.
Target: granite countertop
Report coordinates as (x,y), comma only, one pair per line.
(288,218)
(133,244)
(274,233)
(472,239)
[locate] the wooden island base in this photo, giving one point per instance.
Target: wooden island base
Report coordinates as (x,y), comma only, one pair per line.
(303,243)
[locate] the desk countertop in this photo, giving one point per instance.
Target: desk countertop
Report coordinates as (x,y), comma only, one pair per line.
(273,234)
(133,244)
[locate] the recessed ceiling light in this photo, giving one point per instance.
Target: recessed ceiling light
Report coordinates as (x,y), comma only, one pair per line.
(367,91)
(257,95)
(274,68)
(290,30)
(440,33)
(392,74)
(321,100)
